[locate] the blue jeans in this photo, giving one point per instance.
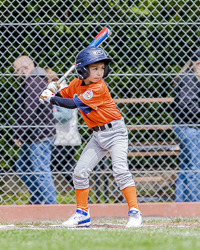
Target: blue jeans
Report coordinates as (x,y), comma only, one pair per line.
(33,167)
(188,179)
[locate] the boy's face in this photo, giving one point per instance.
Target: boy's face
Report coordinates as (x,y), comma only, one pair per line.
(96,72)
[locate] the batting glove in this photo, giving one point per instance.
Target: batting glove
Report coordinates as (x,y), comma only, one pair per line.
(46,96)
(54,87)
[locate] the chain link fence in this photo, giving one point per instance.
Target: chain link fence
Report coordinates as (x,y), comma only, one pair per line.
(150,43)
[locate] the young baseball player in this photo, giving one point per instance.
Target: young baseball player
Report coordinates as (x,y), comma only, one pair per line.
(90,94)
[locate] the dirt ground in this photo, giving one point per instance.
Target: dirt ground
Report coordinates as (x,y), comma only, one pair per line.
(106,224)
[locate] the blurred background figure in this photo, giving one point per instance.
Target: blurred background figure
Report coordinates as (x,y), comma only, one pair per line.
(35,133)
(187,129)
(67,135)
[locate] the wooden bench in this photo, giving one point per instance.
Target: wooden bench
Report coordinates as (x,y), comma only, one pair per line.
(149,127)
(144,100)
(153,153)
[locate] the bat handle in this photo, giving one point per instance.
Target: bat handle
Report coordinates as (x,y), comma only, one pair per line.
(66,74)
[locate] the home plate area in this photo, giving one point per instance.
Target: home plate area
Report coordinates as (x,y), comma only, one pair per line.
(107,224)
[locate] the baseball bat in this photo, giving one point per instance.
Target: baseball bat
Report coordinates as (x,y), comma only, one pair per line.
(98,40)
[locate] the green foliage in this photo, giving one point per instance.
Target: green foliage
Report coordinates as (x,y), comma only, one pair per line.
(149,43)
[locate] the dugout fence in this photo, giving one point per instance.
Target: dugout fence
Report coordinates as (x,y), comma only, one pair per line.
(150,43)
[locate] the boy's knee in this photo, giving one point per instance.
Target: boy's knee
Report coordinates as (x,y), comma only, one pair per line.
(124,180)
(80,173)
(80,182)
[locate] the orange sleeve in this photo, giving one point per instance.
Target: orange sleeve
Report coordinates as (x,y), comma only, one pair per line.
(64,92)
(92,97)
(68,92)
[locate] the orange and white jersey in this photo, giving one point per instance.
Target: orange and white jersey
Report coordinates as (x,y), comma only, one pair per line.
(93,101)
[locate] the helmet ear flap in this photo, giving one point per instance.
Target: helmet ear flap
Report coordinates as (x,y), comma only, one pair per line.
(106,70)
(83,73)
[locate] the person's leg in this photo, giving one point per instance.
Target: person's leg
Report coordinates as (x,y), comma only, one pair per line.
(184,157)
(23,169)
(131,197)
(82,198)
(40,155)
(115,140)
(180,195)
(197,181)
(89,158)
(193,174)
(117,145)
(188,180)
(23,163)
(122,174)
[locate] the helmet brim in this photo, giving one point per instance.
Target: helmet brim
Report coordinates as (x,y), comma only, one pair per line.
(108,60)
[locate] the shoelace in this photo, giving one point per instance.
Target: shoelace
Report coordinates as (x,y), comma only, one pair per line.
(76,215)
(135,216)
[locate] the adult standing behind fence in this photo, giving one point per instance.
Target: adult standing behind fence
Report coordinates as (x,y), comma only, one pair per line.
(34,133)
(67,135)
(187,128)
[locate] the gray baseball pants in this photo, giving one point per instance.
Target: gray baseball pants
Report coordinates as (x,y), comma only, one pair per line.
(113,140)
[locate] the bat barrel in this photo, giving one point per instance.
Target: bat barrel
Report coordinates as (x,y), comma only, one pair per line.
(101,37)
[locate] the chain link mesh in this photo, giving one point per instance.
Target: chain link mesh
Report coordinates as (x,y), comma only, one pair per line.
(150,42)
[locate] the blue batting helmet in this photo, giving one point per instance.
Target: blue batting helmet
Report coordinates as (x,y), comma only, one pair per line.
(88,56)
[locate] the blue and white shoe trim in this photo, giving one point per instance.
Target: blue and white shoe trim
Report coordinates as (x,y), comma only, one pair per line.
(135,218)
(134,212)
(80,218)
(79,211)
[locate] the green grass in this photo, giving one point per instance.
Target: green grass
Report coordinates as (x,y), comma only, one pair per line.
(172,238)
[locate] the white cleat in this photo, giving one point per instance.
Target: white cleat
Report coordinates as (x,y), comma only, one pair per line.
(135,218)
(79,219)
